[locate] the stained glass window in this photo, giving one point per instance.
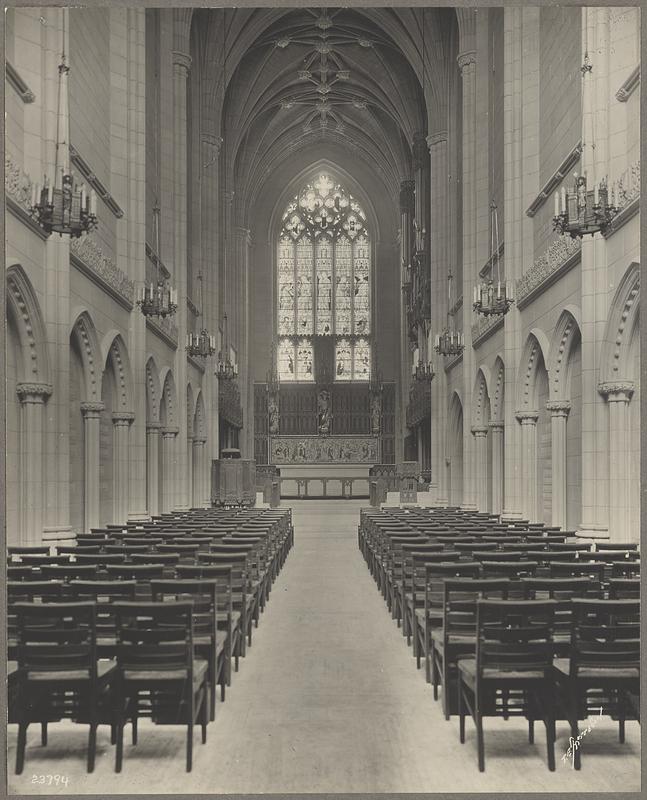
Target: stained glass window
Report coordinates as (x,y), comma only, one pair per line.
(324,282)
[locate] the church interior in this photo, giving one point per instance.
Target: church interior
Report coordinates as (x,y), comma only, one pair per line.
(297,298)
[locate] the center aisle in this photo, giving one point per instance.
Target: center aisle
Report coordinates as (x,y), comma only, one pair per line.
(328,699)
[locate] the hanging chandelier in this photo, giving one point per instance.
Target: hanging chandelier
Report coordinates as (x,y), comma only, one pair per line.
(61,205)
(449,342)
(201,344)
(584,211)
(157,299)
(226,369)
(492,296)
(424,371)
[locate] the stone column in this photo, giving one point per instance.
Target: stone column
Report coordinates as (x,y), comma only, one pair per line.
(528,420)
(167,501)
(32,397)
(91,411)
(199,451)
(191,472)
(152,467)
(559,410)
(618,395)
(498,432)
(181,66)
(439,250)
(407,209)
(121,422)
(467,65)
(480,465)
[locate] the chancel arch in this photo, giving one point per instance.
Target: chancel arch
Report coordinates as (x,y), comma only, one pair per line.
(483,441)
(497,435)
(455,453)
(169,431)
(153,434)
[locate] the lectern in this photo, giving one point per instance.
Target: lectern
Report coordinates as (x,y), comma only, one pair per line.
(233,479)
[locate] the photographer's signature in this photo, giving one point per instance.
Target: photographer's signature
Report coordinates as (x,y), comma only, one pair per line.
(574,744)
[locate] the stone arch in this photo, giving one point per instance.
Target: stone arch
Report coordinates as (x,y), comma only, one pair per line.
(85,335)
(116,358)
(153,391)
(190,409)
(455,449)
(621,324)
(536,346)
(481,403)
(497,390)
(199,417)
(168,399)
(565,338)
(23,305)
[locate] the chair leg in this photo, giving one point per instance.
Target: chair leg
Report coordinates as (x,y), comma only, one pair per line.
(461,713)
(621,729)
(20,750)
(134,727)
(479,739)
(113,734)
(550,740)
(189,746)
(446,690)
(204,720)
(43,734)
(92,744)
(531,731)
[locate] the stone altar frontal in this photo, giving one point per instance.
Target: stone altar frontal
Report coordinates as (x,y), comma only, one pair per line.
(324,450)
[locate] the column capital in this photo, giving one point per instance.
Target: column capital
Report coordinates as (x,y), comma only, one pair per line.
(480,430)
(558,408)
(433,139)
(496,425)
(211,140)
(122,417)
(617,391)
(467,62)
(199,441)
(527,417)
(153,427)
(167,432)
(33,392)
(92,408)
(181,60)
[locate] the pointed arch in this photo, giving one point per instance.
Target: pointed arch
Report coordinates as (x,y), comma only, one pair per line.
(190,409)
(536,346)
(84,333)
(153,391)
(200,419)
(23,305)
(116,358)
(565,338)
(482,404)
(498,388)
(168,401)
(615,362)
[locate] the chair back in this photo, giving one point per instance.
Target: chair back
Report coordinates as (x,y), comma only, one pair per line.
(69,572)
(56,640)
(460,596)
(594,569)
(605,634)
(508,569)
(155,640)
(203,593)
(624,588)
(625,569)
(514,635)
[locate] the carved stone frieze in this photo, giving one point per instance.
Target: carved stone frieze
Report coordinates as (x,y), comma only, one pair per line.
(551,261)
(92,256)
(18,184)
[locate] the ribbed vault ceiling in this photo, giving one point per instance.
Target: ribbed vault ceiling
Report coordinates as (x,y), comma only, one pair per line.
(352,77)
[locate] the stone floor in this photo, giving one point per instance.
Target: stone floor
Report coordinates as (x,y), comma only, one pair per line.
(329,700)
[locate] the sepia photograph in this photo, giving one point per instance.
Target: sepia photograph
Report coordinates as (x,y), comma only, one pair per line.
(322,427)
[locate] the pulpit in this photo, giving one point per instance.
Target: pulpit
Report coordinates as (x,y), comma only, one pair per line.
(233,479)
(409,482)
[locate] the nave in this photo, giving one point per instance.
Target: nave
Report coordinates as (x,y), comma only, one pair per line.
(328,699)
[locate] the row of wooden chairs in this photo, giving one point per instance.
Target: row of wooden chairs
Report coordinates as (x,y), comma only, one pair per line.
(219,589)
(434,589)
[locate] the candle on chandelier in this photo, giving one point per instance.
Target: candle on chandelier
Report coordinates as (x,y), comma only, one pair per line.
(596,195)
(563,199)
(93,203)
(557,204)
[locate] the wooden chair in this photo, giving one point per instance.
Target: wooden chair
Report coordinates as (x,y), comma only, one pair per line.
(604,665)
(69,572)
(209,643)
(59,673)
(509,569)
(158,673)
(104,594)
(623,588)
(21,550)
(625,569)
(457,636)
(592,569)
(511,674)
